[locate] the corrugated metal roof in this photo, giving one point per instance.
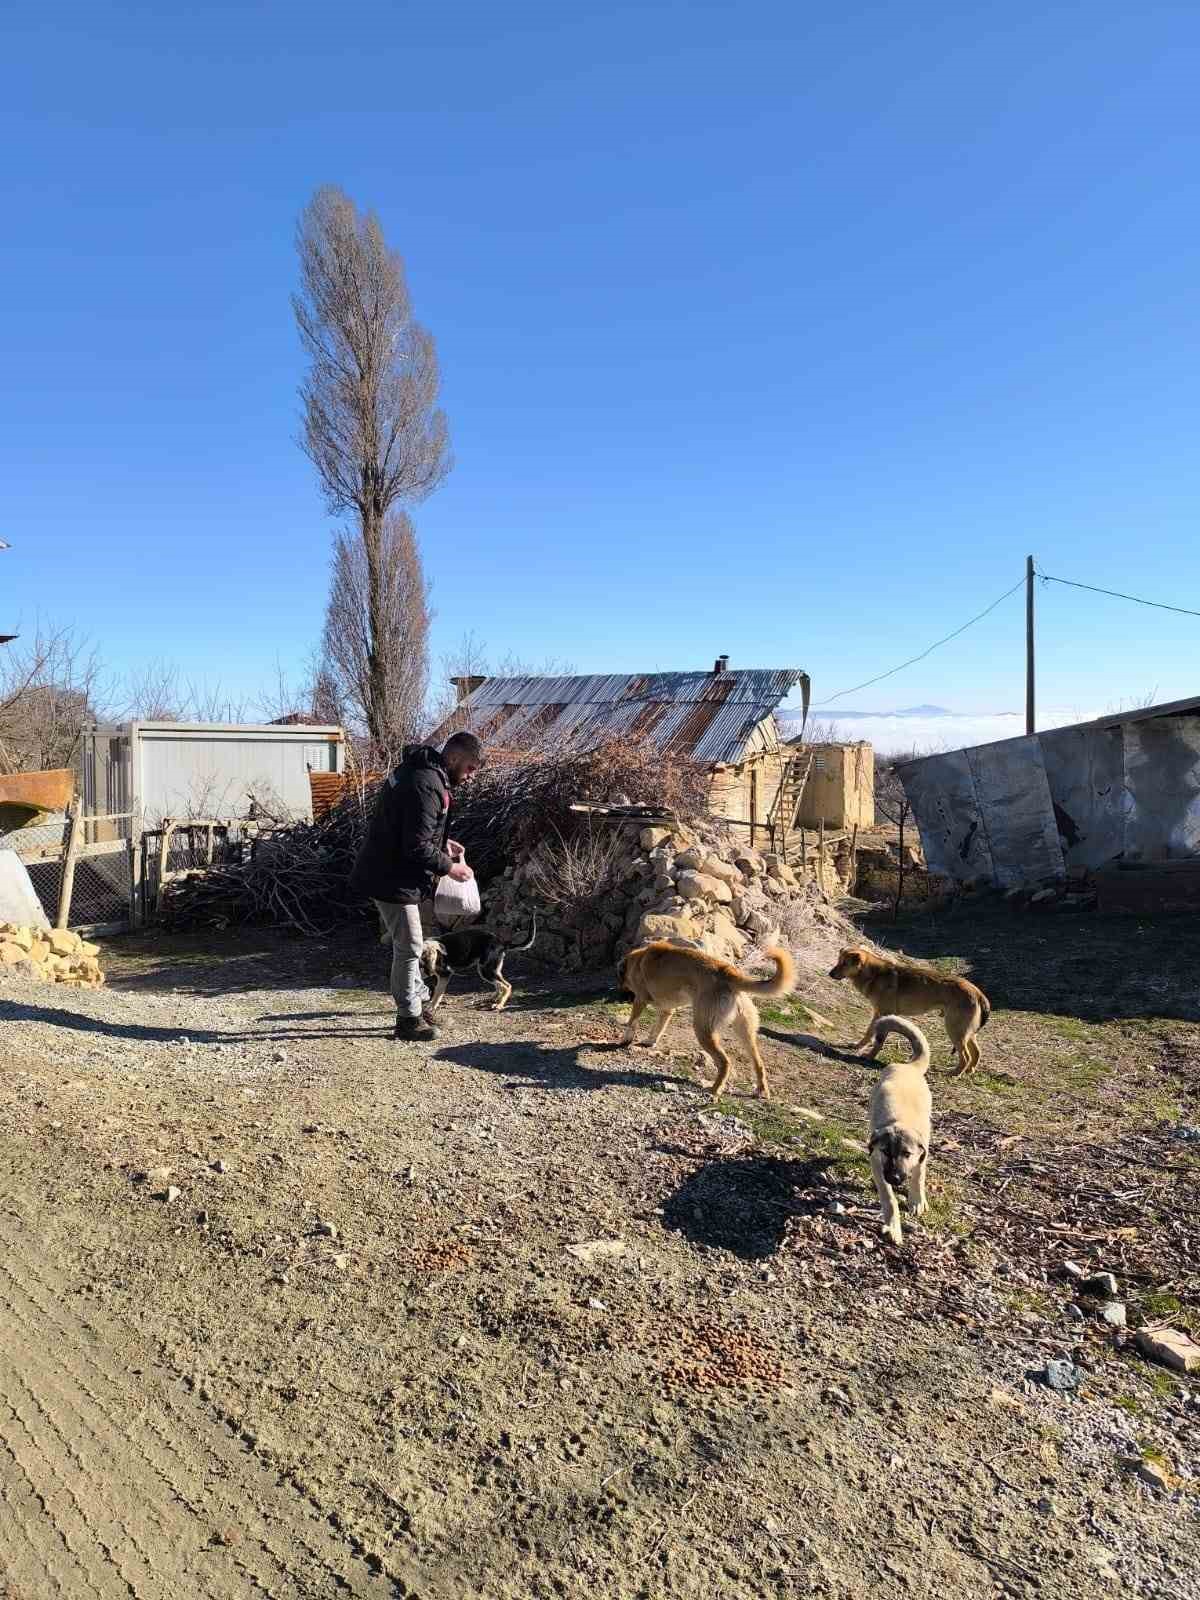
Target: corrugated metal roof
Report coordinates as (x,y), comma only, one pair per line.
(712,717)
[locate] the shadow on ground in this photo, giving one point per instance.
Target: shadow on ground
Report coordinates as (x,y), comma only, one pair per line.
(743,1204)
(1077,965)
(550,1068)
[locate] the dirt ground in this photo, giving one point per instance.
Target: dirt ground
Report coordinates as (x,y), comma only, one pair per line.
(287,1309)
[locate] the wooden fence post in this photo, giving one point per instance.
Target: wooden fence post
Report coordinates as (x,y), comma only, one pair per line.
(70,856)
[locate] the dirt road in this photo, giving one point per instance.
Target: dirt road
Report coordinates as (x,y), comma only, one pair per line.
(287,1311)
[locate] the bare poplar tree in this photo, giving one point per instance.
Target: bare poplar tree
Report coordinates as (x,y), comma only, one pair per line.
(372,427)
(375,647)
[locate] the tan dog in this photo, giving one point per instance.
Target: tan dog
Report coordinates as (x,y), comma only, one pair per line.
(907,989)
(668,976)
(901,1109)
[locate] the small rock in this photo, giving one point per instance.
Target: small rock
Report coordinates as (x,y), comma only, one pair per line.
(838,1396)
(172,1194)
(1063,1376)
(342,1260)
(1170,1348)
(461,1342)
(1150,1472)
(596,1250)
(202,1218)
(1187,1130)
(1071,1270)
(157,1174)
(1047,1507)
(279,1057)
(311,1127)
(220,1166)
(766,1275)
(1043,897)
(1113,1314)
(596,1305)
(1101,1286)
(835,1208)
(1075,1313)
(326,1230)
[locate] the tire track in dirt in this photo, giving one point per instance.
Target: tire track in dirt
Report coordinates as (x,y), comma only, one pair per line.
(114,1485)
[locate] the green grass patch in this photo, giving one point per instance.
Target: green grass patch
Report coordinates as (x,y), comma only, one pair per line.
(942,1214)
(772,1124)
(1129,1403)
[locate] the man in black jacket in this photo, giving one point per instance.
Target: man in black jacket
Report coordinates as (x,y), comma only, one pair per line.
(407,849)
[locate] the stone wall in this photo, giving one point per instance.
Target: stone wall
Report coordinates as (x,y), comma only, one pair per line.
(699,887)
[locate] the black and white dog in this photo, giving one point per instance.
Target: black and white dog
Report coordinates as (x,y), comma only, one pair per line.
(456,953)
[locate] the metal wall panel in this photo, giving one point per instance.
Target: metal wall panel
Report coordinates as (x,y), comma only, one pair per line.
(1162,787)
(1016,811)
(1085,768)
(941,790)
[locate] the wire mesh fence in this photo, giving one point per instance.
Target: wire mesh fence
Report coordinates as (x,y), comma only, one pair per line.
(41,849)
(103,880)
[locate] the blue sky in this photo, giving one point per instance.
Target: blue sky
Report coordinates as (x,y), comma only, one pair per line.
(778,330)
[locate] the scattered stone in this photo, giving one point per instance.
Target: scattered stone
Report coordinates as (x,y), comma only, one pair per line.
(595,1251)
(766,1275)
(220,1166)
(1155,1475)
(342,1260)
(279,1057)
(1187,1130)
(1043,897)
(1071,1270)
(1170,1348)
(1101,1286)
(1113,1314)
(651,838)
(596,1305)
(202,1218)
(172,1194)
(326,1230)
(1063,1376)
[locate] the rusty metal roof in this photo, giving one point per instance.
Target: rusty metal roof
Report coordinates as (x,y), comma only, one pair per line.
(712,717)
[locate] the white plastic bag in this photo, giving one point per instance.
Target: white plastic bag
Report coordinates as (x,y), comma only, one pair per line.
(456,904)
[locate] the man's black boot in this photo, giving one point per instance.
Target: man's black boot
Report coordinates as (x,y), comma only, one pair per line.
(415,1030)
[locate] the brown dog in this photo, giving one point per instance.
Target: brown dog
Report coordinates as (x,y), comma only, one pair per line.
(907,989)
(667,976)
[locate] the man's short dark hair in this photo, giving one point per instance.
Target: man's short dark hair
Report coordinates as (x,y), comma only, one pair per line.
(464,744)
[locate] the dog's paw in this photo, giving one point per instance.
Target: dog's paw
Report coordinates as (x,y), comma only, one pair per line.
(891,1230)
(919,1210)
(762,1094)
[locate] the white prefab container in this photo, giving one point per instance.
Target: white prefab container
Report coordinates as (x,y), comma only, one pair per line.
(218,771)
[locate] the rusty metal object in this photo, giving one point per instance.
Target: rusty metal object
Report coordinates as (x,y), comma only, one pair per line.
(25,796)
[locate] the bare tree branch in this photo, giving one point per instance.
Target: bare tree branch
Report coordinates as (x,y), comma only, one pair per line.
(372,427)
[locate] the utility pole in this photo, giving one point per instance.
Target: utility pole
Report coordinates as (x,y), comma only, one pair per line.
(1029,696)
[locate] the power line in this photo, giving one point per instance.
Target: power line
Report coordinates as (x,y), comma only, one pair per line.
(1117,595)
(914,659)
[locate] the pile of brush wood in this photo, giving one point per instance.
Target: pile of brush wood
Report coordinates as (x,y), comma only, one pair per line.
(296,876)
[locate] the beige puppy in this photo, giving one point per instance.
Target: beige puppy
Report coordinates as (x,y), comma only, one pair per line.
(901,1108)
(667,976)
(908,989)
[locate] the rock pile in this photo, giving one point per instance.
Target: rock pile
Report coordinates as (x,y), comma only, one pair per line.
(691,885)
(49,955)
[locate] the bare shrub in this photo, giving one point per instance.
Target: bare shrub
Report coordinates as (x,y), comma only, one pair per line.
(572,874)
(511,806)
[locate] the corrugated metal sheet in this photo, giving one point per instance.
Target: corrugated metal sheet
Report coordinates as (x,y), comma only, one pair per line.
(1115,790)
(712,717)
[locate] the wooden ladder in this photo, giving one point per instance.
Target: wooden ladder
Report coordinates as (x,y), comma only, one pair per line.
(786,807)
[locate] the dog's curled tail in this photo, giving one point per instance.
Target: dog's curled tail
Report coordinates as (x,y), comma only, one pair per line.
(783,981)
(985,1009)
(907,1030)
(528,945)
